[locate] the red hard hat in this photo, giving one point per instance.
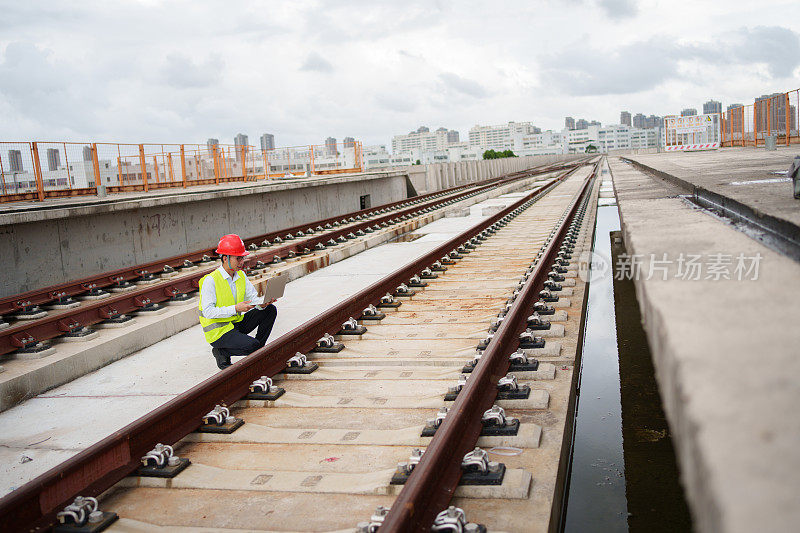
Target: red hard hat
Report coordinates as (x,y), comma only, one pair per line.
(231,245)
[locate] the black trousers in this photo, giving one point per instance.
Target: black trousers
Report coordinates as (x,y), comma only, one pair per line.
(237,342)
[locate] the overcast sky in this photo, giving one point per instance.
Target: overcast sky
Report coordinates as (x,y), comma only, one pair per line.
(157,71)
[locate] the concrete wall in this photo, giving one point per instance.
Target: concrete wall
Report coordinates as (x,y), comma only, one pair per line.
(438,176)
(91,239)
(634,151)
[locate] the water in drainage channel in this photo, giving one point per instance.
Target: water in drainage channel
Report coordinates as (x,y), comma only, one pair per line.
(622,475)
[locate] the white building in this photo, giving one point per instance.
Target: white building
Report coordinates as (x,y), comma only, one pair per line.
(500,137)
(376,156)
(523,138)
(546,143)
(424,139)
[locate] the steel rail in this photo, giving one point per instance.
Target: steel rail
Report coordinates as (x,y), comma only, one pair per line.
(55,324)
(33,506)
(46,295)
(433,481)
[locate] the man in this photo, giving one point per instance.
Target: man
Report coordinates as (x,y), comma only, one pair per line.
(229,309)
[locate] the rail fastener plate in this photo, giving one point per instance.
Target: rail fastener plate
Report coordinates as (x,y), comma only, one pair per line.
(166,472)
(336,348)
(273,394)
(224,428)
(309,368)
(107,520)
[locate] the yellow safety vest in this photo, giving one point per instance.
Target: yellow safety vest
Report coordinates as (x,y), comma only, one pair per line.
(214,328)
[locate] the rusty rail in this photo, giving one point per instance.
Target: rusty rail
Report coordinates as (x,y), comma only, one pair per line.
(33,506)
(434,480)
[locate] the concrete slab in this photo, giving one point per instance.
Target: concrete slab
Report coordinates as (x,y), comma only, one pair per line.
(754,177)
(516,483)
(529,435)
(735,432)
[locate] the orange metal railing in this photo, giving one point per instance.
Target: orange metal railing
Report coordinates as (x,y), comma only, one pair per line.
(750,125)
(40,170)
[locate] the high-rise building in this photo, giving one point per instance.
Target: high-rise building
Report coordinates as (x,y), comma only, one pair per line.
(267,142)
(330,144)
(53,159)
(639,121)
(15,160)
(569,123)
(87,153)
(211,144)
(348,142)
(581,124)
(241,144)
(712,106)
(771,113)
(423,129)
(653,122)
(451,135)
(594,123)
(625,118)
(689,112)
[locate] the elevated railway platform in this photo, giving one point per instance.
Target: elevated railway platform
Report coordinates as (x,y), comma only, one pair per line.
(711,242)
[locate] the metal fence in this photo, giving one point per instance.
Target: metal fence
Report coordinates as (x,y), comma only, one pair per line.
(40,170)
(769,115)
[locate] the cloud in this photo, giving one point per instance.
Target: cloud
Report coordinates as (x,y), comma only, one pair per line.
(45,90)
(411,56)
(581,70)
(316,63)
(617,9)
(395,102)
(614,9)
(181,72)
(463,85)
(28,69)
(774,46)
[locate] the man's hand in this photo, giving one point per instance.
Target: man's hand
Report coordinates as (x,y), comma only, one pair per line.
(243,307)
(272,301)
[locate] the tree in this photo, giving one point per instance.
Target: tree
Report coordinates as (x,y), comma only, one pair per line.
(417,163)
(491,154)
(591,149)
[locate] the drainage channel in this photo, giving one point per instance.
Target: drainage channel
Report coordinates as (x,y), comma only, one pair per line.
(623,474)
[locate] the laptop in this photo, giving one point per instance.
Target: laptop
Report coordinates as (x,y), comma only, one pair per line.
(273,288)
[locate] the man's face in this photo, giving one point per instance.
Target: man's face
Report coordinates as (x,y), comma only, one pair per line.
(235,262)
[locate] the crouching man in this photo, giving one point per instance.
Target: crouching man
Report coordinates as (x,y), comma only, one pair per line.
(229,306)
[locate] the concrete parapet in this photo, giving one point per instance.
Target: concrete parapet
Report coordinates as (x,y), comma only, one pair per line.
(79,239)
(438,176)
(735,432)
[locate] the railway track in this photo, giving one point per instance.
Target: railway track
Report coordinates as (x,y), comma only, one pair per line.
(26,325)
(320,456)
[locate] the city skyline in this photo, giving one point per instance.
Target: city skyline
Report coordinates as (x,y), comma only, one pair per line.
(644,122)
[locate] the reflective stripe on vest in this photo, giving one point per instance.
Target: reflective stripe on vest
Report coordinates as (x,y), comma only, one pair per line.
(214,328)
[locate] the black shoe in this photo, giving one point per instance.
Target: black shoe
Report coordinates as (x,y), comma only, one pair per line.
(223,361)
